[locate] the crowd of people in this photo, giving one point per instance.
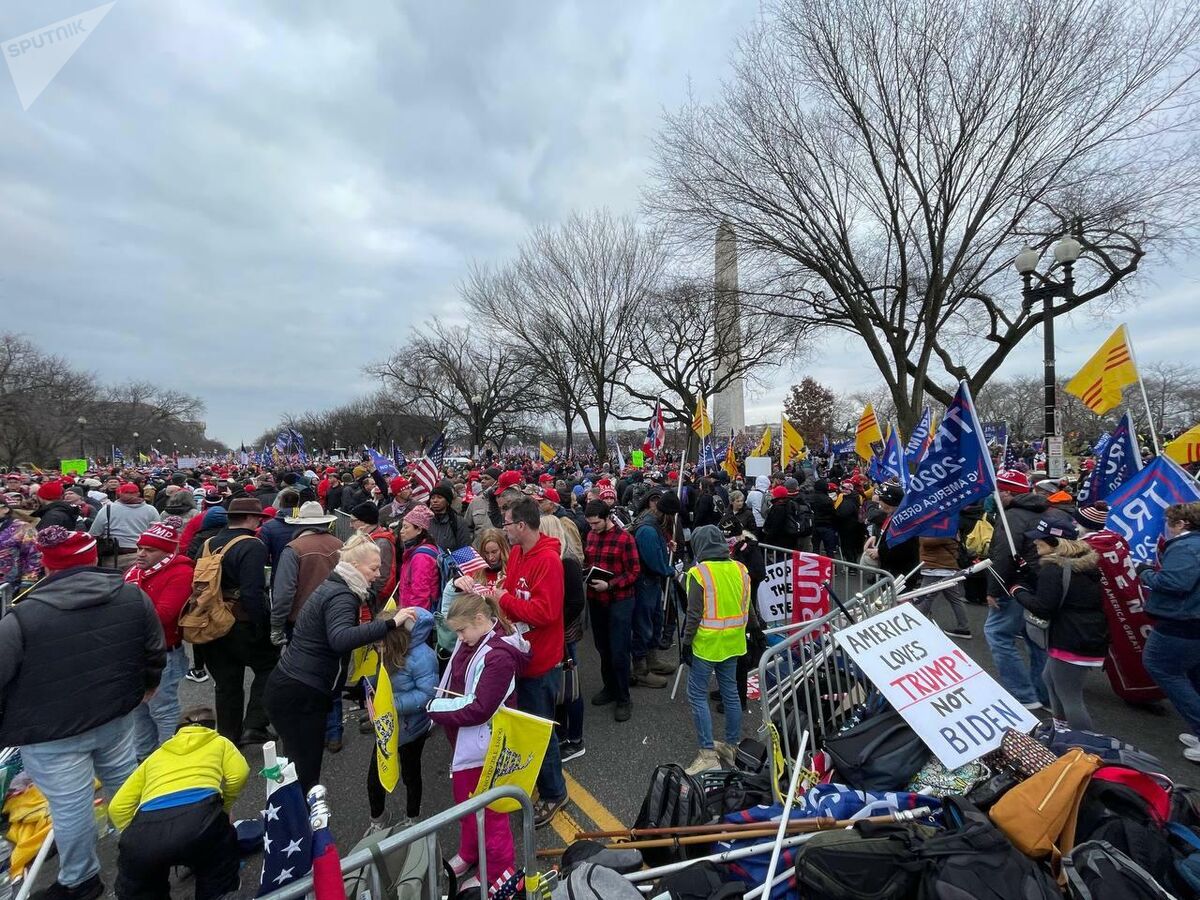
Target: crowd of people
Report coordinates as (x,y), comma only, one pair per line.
(638,558)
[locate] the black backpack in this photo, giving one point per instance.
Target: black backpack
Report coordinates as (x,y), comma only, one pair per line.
(973,858)
(674,798)
(881,754)
(1096,870)
(871,861)
(700,881)
(800,519)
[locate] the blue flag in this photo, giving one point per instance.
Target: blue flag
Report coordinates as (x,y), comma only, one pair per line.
(893,460)
(1120,461)
(382,464)
(918,441)
(399,458)
(437,452)
(843,448)
(708,456)
(956,472)
(875,470)
(1101,444)
(995,434)
(1136,508)
(287,842)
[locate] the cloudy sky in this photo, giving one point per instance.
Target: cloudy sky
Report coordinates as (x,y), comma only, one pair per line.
(250,201)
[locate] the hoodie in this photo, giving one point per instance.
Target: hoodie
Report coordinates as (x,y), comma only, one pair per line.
(124,521)
(757,499)
(484,678)
(193,764)
(49,650)
(533,594)
(708,544)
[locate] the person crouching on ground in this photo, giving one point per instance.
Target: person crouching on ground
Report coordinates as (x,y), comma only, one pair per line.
(479,679)
(174,811)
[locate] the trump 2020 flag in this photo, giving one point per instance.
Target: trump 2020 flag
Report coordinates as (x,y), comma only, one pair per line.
(1120,460)
(893,459)
(287,837)
(1136,509)
(956,472)
(514,755)
(383,465)
(918,441)
(382,708)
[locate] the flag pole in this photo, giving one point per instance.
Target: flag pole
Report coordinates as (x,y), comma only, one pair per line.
(987,461)
(1145,397)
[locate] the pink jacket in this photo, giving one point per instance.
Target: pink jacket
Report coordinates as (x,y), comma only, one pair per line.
(420,583)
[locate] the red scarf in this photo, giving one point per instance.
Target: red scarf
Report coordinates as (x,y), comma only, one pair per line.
(136,574)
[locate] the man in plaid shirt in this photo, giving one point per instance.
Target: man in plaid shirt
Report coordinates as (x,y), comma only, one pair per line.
(610,603)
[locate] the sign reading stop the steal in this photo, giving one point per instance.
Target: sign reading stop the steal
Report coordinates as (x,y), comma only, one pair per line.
(953,705)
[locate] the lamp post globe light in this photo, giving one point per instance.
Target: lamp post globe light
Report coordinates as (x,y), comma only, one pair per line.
(1066,253)
(82,423)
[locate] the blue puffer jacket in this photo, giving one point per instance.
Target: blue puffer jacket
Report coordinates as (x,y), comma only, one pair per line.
(414,685)
(1175,586)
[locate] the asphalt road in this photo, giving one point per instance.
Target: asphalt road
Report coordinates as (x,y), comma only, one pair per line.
(608,783)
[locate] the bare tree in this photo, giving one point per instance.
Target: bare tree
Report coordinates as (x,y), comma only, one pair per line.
(41,396)
(1173,390)
(882,164)
(142,407)
(451,375)
(570,302)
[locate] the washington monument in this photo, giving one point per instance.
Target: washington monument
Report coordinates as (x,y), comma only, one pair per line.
(729,405)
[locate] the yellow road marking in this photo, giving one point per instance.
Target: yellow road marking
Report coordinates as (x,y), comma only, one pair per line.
(565,826)
(591,807)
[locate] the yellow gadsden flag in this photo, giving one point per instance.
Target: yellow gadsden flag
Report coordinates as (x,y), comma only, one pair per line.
(1185,448)
(382,707)
(867,434)
(548,452)
(514,756)
(364,662)
(764,444)
(790,443)
(1100,382)
(701,423)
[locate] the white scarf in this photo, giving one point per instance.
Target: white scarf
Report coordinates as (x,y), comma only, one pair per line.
(354,579)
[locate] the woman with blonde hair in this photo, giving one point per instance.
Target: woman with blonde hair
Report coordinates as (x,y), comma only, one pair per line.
(1067,594)
(312,669)
(492,545)
(574,603)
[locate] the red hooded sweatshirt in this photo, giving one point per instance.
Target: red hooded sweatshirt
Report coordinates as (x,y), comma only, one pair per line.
(533,594)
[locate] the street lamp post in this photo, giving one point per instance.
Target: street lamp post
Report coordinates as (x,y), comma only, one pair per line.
(476,416)
(82,422)
(1066,252)
(135,446)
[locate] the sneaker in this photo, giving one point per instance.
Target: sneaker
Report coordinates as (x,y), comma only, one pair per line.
(570,750)
(1192,753)
(1033,705)
(603,698)
(383,823)
(471,884)
(725,753)
(958,633)
(648,679)
(623,711)
(706,759)
(1189,740)
(197,675)
(333,745)
(85,890)
(545,810)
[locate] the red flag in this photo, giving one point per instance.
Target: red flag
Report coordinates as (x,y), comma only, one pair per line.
(326,867)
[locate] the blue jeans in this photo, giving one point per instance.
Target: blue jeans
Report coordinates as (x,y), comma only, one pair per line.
(64,771)
(699,673)
(334,729)
(574,727)
(1174,664)
(647,616)
(538,696)
(1004,630)
(612,630)
(156,720)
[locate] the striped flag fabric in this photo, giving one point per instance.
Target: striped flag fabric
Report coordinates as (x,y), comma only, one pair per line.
(437,453)
(1100,382)
(468,561)
(867,434)
(1185,449)
(425,478)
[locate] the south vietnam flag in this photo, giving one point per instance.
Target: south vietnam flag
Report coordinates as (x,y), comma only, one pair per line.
(1100,382)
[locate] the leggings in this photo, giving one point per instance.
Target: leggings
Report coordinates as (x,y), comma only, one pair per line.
(410,774)
(1064,681)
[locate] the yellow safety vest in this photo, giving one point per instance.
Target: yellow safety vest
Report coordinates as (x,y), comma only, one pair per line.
(722,631)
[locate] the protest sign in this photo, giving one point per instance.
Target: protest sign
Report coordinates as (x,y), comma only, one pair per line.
(794,589)
(758,465)
(774,597)
(187,462)
(953,705)
(995,433)
(637,458)
(1135,509)
(72,466)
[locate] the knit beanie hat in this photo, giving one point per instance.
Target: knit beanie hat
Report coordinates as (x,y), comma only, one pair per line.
(1013,481)
(1092,516)
(366,512)
(62,549)
(50,491)
(160,536)
(420,516)
(443,489)
(397,484)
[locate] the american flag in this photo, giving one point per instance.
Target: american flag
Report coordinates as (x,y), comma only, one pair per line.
(287,841)
(507,885)
(656,432)
(468,561)
(425,477)
(437,453)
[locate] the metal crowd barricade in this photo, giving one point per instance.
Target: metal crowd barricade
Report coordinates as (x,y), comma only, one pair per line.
(806,682)
(342,527)
(427,830)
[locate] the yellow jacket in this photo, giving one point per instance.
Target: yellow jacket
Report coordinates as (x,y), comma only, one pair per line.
(196,757)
